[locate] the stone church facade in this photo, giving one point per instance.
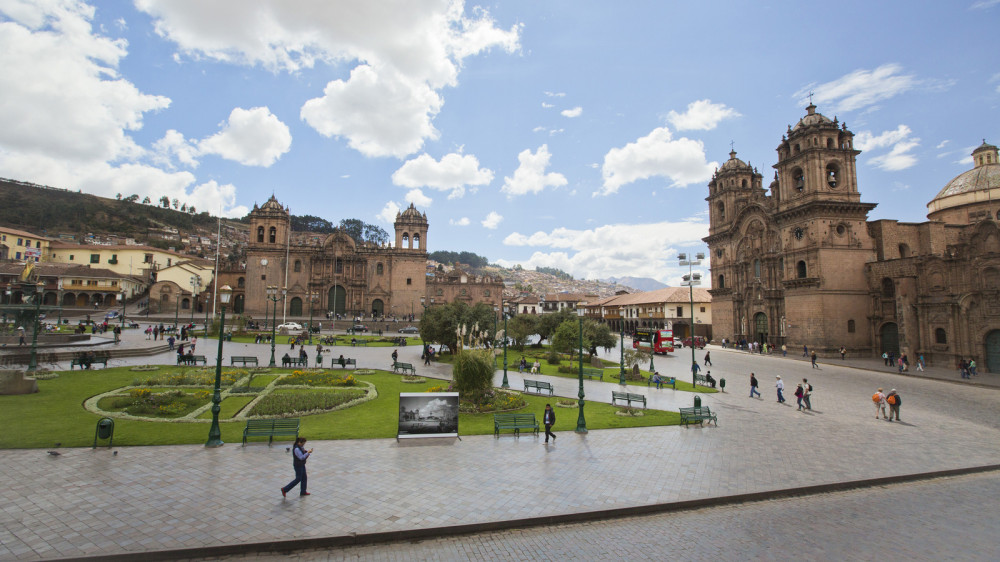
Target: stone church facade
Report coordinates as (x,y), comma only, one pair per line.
(800,263)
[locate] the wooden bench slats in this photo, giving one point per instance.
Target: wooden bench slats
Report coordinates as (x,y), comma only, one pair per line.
(79,362)
(244,359)
(539,386)
(698,414)
(517,422)
(404,367)
(628,397)
(591,372)
(271,428)
(192,359)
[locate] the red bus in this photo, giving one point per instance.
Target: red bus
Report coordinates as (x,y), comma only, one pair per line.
(661,341)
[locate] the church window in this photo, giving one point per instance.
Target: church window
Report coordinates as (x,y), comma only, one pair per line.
(829,143)
(718,253)
(409,281)
(743,184)
(832,174)
(680,311)
(798,179)
(940,336)
(378,269)
(722,281)
(416,241)
(273,235)
(756,268)
(904,251)
(850,326)
(339,266)
(406,240)
(298,266)
(888,288)
(841,229)
(721,207)
(260,233)
(440,292)
(796,149)
(241,283)
(801,269)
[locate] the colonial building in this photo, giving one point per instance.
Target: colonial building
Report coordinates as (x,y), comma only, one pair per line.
(800,264)
(662,309)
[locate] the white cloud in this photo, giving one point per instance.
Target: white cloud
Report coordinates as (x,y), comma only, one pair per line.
(453,173)
(464,221)
(418,198)
(547,105)
(984,4)
(556,94)
(860,88)
(174,145)
(252,137)
(530,176)
(538,129)
(701,115)
(942,144)
(647,250)
(388,213)
(492,220)
(656,154)
(575,112)
(901,143)
(404,55)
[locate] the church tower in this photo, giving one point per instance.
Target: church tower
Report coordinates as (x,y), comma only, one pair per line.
(269,229)
(411,230)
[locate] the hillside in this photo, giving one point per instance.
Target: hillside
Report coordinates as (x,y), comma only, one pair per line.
(640,283)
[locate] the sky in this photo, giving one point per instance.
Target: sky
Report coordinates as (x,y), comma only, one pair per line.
(572,134)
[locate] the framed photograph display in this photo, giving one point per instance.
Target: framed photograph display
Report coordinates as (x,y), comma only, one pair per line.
(428,414)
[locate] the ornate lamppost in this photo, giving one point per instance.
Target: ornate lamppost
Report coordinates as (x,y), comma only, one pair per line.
(504,384)
(312,300)
(689,281)
(195,289)
(215,434)
(33,362)
(272,292)
(581,422)
(621,344)
(123,294)
(60,303)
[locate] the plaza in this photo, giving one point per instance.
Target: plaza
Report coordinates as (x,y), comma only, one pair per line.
(186,501)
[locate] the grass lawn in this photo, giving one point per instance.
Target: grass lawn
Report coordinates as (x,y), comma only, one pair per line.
(230,407)
(56,415)
(342,340)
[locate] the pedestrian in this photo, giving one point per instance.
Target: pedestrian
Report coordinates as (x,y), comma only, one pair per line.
(299,457)
(894,401)
(695,367)
(194,342)
(708,358)
(899,365)
(885,358)
(879,399)
(807,390)
(963,368)
(892,358)
(753,386)
(709,379)
(920,362)
(395,356)
(805,351)
(156,333)
(780,386)
(170,342)
(784,350)
(20,336)
(149,332)
(843,353)
(798,396)
(657,380)
(972,367)
(813,357)
(427,355)
(549,419)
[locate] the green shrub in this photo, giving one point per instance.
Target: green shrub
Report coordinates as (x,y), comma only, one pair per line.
(566,369)
(553,358)
(473,373)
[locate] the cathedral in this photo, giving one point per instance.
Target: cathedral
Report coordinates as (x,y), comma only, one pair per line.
(799,263)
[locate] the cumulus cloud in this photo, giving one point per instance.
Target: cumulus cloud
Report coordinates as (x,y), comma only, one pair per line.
(453,173)
(388,213)
(252,137)
(556,94)
(174,145)
(575,112)
(492,220)
(647,250)
(404,55)
(656,154)
(418,198)
(464,221)
(701,115)
(530,176)
(547,105)
(899,142)
(861,88)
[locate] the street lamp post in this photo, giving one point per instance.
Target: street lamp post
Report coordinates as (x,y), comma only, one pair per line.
(272,292)
(312,299)
(215,434)
(505,383)
(177,310)
(689,281)
(60,304)
(581,422)
(621,377)
(195,289)
(123,294)
(33,362)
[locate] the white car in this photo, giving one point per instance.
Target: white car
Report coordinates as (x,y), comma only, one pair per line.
(291,327)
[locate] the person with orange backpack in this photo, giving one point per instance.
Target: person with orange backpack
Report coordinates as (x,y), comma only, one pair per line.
(894,400)
(879,399)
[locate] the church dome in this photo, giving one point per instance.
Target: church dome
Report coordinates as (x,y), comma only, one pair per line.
(734,164)
(979,185)
(411,214)
(272,205)
(812,119)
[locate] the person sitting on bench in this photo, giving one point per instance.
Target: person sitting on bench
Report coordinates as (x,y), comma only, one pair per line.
(342,361)
(286,359)
(657,379)
(709,379)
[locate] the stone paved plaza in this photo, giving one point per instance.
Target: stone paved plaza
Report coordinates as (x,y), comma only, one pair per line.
(93,503)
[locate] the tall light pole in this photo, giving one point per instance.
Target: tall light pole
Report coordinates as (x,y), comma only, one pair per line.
(581,422)
(272,292)
(33,361)
(312,299)
(123,295)
(195,289)
(177,310)
(505,383)
(689,281)
(60,303)
(214,433)
(621,376)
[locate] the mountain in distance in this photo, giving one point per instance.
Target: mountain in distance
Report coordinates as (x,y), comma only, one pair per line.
(640,283)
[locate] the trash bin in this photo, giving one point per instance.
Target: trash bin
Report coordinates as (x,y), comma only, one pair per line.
(697,401)
(722,384)
(105,430)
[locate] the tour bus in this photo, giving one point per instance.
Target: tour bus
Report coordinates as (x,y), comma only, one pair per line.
(661,341)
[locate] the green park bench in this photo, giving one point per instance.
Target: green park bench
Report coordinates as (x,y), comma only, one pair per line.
(80,362)
(404,367)
(345,362)
(700,379)
(243,360)
(539,386)
(517,422)
(294,361)
(698,414)
(664,381)
(591,372)
(191,359)
(628,397)
(271,428)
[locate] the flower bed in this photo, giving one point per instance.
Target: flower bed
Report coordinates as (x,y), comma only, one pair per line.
(192,378)
(277,404)
(145,402)
(318,378)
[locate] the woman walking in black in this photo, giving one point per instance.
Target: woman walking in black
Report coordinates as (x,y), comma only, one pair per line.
(299,457)
(549,419)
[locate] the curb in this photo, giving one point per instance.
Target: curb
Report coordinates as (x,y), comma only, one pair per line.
(355,539)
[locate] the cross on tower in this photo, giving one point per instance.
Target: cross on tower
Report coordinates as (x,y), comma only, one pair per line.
(732,145)
(811,98)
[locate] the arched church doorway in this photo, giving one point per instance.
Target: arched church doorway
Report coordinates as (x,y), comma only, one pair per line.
(993,351)
(760,327)
(890,338)
(378,309)
(337,300)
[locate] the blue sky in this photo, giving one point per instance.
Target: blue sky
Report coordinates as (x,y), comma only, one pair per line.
(579,135)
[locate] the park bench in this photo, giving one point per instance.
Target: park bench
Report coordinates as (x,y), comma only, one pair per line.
(356,343)
(517,422)
(79,362)
(700,379)
(271,428)
(664,381)
(404,367)
(191,359)
(628,397)
(242,359)
(697,414)
(538,386)
(591,372)
(294,361)
(347,361)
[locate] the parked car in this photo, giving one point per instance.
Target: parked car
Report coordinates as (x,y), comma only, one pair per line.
(290,326)
(359,328)
(110,315)
(409,330)
(699,342)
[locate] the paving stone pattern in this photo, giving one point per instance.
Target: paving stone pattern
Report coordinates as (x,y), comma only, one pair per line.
(88,502)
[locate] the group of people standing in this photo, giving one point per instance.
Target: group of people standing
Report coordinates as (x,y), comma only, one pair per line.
(803,391)
(967,368)
(892,400)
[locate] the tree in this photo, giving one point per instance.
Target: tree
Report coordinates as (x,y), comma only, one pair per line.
(132,198)
(118,196)
(191,210)
(520,328)
(165,202)
(567,338)
(599,334)
(176,202)
(547,323)
(440,324)
(310,223)
(146,200)
(184,207)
